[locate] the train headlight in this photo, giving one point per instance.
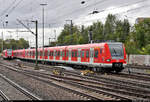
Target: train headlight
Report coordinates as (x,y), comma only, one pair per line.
(108,60)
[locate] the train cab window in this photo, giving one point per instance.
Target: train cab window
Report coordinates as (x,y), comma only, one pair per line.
(87,54)
(96,53)
(101,50)
(82,54)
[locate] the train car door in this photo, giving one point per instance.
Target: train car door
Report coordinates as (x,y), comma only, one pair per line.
(66,55)
(91,55)
(96,55)
(69,55)
(63,55)
(57,55)
(82,55)
(79,55)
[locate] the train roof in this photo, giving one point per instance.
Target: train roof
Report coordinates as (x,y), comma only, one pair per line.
(74,46)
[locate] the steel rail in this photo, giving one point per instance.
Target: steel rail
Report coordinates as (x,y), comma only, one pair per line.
(4,96)
(21,89)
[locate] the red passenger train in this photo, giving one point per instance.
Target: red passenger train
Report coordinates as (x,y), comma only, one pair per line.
(7,54)
(109,56)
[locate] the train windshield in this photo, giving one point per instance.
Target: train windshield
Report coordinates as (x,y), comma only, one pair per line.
(9,52)
(116,51)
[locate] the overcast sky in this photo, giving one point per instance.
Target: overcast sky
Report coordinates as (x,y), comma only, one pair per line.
(58,11)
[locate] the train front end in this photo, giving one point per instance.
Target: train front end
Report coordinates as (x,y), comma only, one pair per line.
(9,54)
(116,56)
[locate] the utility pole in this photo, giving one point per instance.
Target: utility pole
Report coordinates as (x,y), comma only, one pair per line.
(55,34)
(17,34)
(90,36)
(2,38)
(49,41)
(3,33)
(43,27)
(71,30)
(36,36)
(2,42)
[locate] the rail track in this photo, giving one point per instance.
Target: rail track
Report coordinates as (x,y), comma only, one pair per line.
(139,67)
(3,96)
(21,89)
(97,94)
(123,88)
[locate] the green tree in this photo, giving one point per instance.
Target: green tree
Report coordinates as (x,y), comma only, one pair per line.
(109,28)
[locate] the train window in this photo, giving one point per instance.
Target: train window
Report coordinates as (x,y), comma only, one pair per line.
(55,53)
(78,53)
(101,50)
(87,54)
(82,54)
(75,53)
(58,53)
(72,53)
(96,53)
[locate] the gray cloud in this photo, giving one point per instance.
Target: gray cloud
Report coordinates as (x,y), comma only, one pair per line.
(57,11)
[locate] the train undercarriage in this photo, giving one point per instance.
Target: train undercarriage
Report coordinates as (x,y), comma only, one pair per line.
(116,67)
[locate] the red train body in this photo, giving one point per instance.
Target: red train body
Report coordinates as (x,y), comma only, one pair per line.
(110,56)
(7,54)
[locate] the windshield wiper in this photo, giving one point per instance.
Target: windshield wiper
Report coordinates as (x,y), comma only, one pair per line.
(114,51)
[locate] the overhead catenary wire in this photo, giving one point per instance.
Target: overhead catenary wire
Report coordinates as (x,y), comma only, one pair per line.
(9,11)
(4,11)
